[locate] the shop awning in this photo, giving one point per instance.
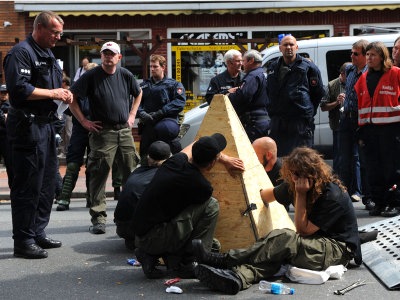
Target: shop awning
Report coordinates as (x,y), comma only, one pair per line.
(167,7)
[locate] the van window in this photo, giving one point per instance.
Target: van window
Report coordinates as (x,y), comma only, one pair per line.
(336,58)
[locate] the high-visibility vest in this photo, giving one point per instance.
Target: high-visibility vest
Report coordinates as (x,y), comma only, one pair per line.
(384,106)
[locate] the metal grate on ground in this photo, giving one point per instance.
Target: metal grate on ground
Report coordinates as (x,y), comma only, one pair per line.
(382,256)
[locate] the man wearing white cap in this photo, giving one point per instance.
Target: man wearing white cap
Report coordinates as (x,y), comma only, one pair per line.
(109,89)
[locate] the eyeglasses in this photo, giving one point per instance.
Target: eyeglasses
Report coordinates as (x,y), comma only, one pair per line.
(354,53)
(56,33)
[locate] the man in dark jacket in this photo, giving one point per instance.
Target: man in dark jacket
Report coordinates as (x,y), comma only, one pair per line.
(295,89)
(250,98)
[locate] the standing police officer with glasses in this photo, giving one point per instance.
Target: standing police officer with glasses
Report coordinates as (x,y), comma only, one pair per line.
(109,89)
(34,80)
(228,80)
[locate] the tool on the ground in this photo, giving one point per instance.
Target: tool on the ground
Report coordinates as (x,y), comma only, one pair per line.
(350,287)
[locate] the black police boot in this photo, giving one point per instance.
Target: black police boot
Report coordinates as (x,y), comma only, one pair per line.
(225,281)
(148,263)
(369,204)
(218,260)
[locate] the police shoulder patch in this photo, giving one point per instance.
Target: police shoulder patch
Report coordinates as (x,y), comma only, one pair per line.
(313,81)
(179,90)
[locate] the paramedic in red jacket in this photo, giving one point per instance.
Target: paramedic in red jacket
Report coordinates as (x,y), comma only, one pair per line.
(378,92)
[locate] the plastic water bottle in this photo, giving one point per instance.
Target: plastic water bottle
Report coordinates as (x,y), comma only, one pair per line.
(275,288)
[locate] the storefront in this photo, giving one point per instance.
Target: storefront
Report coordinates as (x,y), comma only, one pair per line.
(163,27)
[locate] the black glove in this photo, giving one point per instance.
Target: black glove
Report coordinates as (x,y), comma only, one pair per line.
(157,115)
(145,117)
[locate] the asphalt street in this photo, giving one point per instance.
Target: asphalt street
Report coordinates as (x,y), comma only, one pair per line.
(91,266)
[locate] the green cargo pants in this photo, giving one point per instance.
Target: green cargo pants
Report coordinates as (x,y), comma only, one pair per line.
(175,237)
(285,246)
(103,148)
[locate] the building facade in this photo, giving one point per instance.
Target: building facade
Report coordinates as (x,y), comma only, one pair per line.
(193,36)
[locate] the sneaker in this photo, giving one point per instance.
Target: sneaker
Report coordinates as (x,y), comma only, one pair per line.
(355,198)
(62,205)
(390,212)
(225,281)
(98,228)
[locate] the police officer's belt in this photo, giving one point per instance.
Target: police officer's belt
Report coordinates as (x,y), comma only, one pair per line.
(253,117)
(33,115)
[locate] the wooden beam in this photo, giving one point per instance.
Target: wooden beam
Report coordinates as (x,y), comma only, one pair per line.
(237,228)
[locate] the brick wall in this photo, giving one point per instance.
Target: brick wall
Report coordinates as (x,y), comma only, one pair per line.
(8,34)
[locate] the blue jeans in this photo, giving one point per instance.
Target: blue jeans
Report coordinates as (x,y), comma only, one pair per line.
(349,162)
(336,151)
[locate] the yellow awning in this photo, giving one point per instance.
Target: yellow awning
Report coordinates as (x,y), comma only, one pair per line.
(221,11)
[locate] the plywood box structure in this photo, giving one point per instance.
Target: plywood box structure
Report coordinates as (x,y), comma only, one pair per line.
(235,228)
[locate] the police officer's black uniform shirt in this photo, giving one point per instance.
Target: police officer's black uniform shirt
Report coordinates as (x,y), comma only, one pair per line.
(28,66)
(221,83)
(166,94)
(252,94)
(109,95)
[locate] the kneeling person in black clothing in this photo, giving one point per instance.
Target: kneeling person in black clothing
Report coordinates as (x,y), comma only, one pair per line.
(177,207)
(136,183)
(326,230)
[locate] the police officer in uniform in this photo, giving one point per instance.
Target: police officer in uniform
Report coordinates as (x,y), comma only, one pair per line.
(250,99)
(228,80)
(163,99)
(34,81)
(295,89)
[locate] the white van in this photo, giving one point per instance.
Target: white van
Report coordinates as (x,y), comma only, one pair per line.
(328,54)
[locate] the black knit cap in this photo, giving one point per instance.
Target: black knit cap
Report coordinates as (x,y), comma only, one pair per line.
(159,150)
(206,148)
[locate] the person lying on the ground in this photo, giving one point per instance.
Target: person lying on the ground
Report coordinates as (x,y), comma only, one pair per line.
(326,230)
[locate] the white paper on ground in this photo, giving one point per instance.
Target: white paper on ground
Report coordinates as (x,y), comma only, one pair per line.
(311,277)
